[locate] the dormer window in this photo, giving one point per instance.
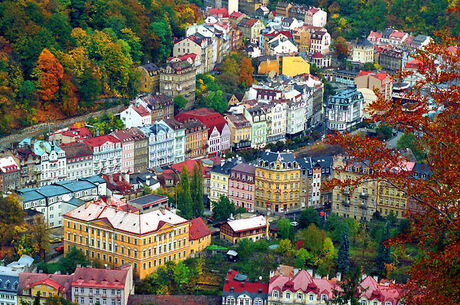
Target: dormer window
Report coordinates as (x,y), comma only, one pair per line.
(275,293)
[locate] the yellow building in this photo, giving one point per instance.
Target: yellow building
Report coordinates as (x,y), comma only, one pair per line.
(240,130)
(219,180)
(269,65)
(277,182)
(254,228)
(294,65)
(149,79)
(196,139)
(390,199)
(116,234)
(302,39)
(200,236)
(49,285)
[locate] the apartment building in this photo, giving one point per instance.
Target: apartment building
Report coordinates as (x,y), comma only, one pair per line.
(106,154)
(241,186)
(79,160)
(196,139)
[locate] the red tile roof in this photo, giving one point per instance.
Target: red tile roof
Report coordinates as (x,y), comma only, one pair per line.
(60,282)
(100,278)
(198,229)
(189,164)
(174,299)
(240,286)
(208,117)
(380,75)
(98,141)
(141,110)
(235,15)
(219,12)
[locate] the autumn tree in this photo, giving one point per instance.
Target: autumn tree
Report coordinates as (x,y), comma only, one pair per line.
(246,72)
(341,47)
(431,111)
(49,73)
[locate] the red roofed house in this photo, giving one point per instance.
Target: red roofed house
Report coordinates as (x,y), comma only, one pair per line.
(219,12)
(316,17)
(199,236)
(106,154)
(239,290)
(71,134)
(235,17)
(251,28)
(375,80)
(218,132)
(9,174)
(195,44)
(47,284)
(398,37)
(136,115)
(374,37)
(413,66)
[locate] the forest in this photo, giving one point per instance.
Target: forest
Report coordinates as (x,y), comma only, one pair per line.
(57,57)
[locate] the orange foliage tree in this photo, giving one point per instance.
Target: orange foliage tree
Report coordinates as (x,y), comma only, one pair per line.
(49,73)
(246,72)
(431,110)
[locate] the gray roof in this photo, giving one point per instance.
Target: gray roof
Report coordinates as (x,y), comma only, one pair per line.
(147,199)
(363,42)
(308,163)
(224,168)
(75,202)
(269,156)
(244,167)
(9,280)
(95,179)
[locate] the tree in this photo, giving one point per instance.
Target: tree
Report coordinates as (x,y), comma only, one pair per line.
(222,209)
(383,252)
(70,261)
(181,276)
(40,233)
(245,247)
(328,249)
(349,289)
(246,72)
(343,257)
(179,102)
(434,224)
(162,36)
(215,100)
(49,73)
(313,239)
(37,299)
(184,197)
(284,246)
(309,216)
(12,216)
(341,47)
(285,229)
(196,188)
(409,140)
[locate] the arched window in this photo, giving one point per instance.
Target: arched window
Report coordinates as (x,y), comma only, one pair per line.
(275,293)
(288,295)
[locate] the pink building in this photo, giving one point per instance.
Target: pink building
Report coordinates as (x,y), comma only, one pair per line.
(127,138)
(241,186)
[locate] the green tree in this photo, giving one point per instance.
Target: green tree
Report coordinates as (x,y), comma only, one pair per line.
(70,261)
(328,249)
(343,257)
(215,100)
(181,276)
(409,140)
(303,257)
(245,248)
(349,289)
(284,246)
(163,39)
(383,252)
(285,229)
(309,216)
(222,209)
(196,188)
(40,234)
(179,102)
(184,197)
(37,299)
(312,239)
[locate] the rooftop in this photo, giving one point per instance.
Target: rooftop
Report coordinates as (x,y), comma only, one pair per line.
(198,229)
(76,149)
(245,224)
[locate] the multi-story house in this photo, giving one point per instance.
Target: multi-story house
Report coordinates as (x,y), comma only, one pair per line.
(296,115)
(219,180)
(140,144)
(282,8)
(10,174)
(241,186)
(240,130)
(160,106)
(79,160)
(257,118)
(30,165)
(179,139)
(239,290)
(150,78)
(70,135)
(366,82)
(345,110)
(358,203)
(48,285)
(136,115)
(281,45)
(363,51)
(276,120)
(251,28)
(314,171)
(196,44)
(320,41)
(116,235)
(161,144)
(127,149)
(196,139)
(316,17)
(302,39)
(236,37)
(102,286)
(178,78)
(391,60)
(211,42)
(199,237)
(218,130)
(254,228)
(9,281)
(106,154)
(277,182)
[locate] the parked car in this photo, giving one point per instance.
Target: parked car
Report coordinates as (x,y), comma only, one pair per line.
(59,249)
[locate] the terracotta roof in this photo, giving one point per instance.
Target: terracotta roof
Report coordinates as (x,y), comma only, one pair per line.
(131,134)
(235,15)
(60,282)
(198,229)
(380,75)
(208,117)
(317,55)
(100,140)
(100,278)
(141,110)
(219,12)
(189,164)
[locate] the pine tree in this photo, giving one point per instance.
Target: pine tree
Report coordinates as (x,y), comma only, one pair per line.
(37,299)
(383,252)
(184,197)
(343,258)
(196,188)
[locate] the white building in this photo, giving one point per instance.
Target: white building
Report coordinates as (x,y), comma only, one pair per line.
(52,162)
(320,41)
(316,17)
(282,45)
(345,110)
(106,154)
(79,160)
(135,116)
(179,139)
(161,144)
(276,121)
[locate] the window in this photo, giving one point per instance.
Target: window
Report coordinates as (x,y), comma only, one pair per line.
(275,293)
(288,295)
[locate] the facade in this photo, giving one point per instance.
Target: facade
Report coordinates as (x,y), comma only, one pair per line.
(199,236)
(30,167)
(135,116)
(391,60)
(141,148)
(10,174)
(363,51)
(179,139)
(276,121)
(241,186)
(79,160)
(116,235)
(106,154)
(49,285)
(102,286)
(240,130)
(9,281)
(345,110)
(178,78)
(127,149)
(196,139)
(316,17)
(392,200)
(70,135)
(320,41)
(294,65)
(251,28)
(239,290)
(314,171)
(296,115)
(254,228)
(375,80)
(161,144)
(160,106)
(277,182)
(257,118)
(150,78)
(219,180)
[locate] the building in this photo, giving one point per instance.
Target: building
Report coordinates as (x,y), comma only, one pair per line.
(199,236)
(321,60)
(136,115)
(316,17)
(238,289)
(10,174)
(30,167)
(277,182)
(179,78)
(70,135)
(241,186)
(161,144)
(48,285)
(119,234)
(218,130)
(375,80)
(251,28)
(320,41)
(9,281)
(150,78)
(179,139)
(302,38)
(345,110)
(363,51)
(138,158)
(359,203)
(196,139)
(315,171)
(254,228)
(294,65)
(240,130)
(79,160)
(200,46)
(257,118)
(102,286)
(160,106)
(106,154)
(219,179)
(282,9)
(281,45)
(391,60)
